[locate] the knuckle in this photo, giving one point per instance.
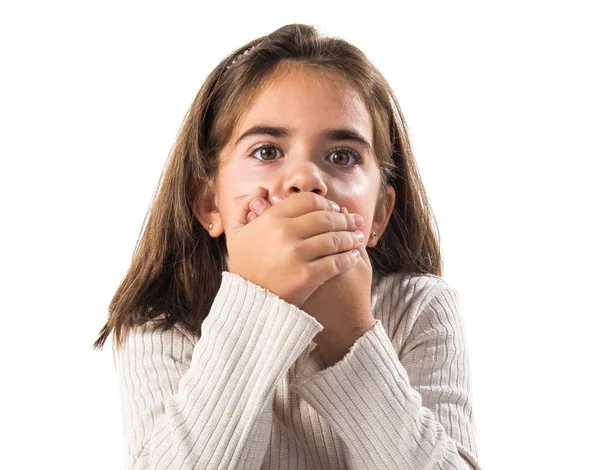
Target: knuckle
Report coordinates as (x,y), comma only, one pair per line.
(318,202)
(338,263)
(326,221)
(352,240)
(313,200)
(329,220)
(336,242)
(305,274)
(349,221)
(280,232)
(321,220)
(296,252)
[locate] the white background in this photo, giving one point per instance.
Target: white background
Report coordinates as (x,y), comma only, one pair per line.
(502,105)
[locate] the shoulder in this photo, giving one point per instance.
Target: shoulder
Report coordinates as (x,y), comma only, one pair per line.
(408,291)
(406,301)
(150,341)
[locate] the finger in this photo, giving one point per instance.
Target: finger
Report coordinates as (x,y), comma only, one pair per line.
(259,205)
(251,216)
(298,204)
(328,267)
(242,204)
(331,243)
(315,223)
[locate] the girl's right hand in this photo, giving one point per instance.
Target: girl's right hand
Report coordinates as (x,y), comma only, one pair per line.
(294,247)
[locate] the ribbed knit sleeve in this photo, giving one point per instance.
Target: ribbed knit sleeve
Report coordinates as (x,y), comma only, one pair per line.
(401,411)
(217,414)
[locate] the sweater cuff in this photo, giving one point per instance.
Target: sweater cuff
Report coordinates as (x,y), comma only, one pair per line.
(250,338)
(254,324)
(315,372)
(365,395)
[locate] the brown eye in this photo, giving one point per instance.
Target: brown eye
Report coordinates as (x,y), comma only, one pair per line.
(343,157)
(266,153)
(340,157)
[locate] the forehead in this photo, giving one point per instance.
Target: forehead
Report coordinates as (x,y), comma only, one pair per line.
(307,101)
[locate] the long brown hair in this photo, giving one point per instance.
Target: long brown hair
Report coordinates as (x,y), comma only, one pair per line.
(176,266)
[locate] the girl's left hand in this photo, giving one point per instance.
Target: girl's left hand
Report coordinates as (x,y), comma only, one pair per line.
(342,305)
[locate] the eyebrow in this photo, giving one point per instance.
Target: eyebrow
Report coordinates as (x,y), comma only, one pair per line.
(329,134)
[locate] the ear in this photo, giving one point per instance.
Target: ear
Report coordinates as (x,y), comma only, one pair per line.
(206,208)
(383,212)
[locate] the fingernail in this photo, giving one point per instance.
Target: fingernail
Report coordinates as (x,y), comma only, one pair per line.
(360,236)
(277,198)
(358,220)
(257,205)
(335,206)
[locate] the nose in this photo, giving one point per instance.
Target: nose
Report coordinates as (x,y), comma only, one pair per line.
(304,175)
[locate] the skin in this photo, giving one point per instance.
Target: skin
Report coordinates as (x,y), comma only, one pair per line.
(307,103)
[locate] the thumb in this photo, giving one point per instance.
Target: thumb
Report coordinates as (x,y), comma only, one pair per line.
(242,204)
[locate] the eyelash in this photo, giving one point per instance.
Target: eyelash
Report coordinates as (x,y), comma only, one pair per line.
(357,157)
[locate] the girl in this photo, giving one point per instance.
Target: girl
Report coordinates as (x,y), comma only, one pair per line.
(284,306)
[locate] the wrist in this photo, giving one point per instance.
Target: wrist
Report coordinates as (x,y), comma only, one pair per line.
(333,349)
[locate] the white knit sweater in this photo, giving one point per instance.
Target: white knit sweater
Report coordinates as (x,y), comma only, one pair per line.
(249,393)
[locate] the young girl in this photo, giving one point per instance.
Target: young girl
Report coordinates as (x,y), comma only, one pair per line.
(284,307)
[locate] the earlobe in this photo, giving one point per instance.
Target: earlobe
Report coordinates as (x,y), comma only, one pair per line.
(373,236)
(382,216)
(207,213)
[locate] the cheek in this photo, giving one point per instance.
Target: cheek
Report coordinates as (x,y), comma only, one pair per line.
(243,177)
(254,175)
(236,181)
(350,193)
(358,199)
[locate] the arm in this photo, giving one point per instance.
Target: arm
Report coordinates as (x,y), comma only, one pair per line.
(218,413)
(407,412)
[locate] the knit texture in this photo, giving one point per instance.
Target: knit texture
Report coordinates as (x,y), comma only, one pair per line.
(251,392)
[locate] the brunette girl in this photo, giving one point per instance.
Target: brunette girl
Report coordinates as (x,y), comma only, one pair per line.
(285,305)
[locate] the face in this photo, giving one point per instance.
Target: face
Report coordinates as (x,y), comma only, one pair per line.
(304,155)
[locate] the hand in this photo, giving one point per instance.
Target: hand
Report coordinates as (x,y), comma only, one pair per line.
(294,247)
(342,304)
